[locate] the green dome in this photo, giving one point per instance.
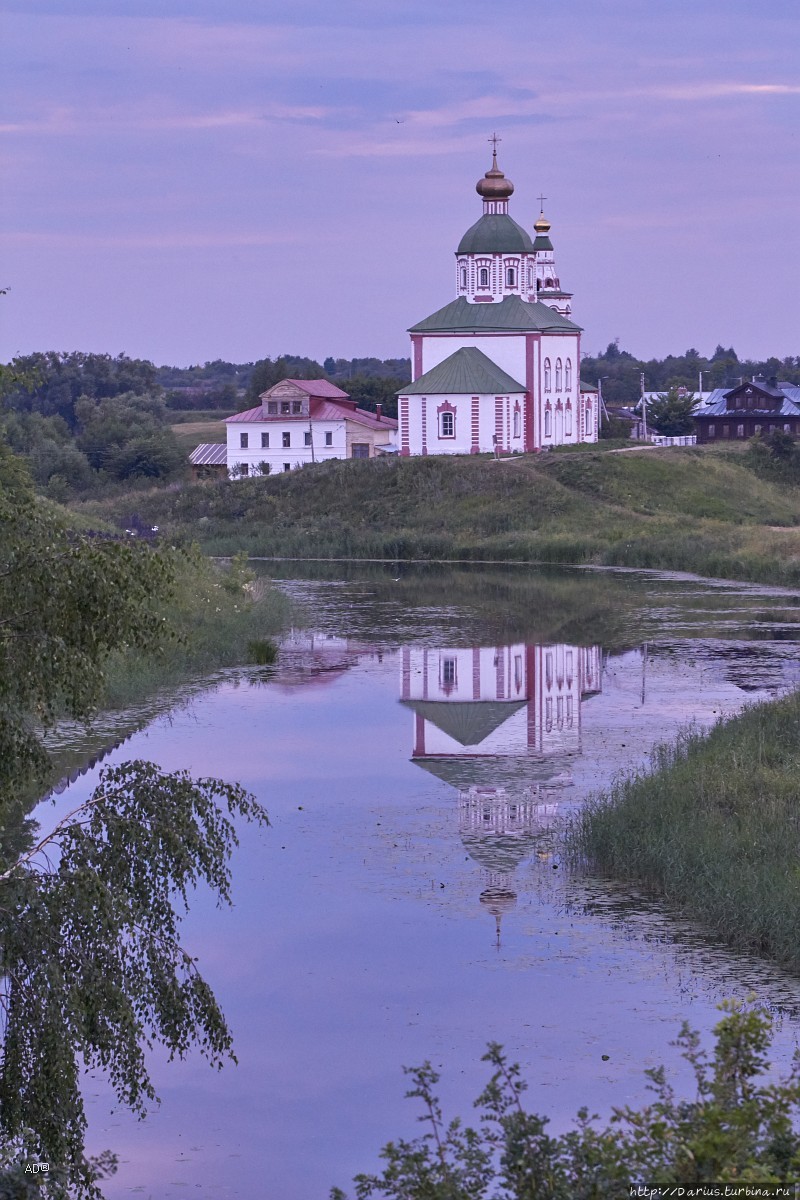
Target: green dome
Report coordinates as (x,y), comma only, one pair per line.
(495,233)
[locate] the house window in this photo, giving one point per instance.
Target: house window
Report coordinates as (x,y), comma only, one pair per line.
(726,430)
(360,449)
(244,469)
(243,441)
(511,277)
(787,429)
(297,407)
(548,423)
(712,430)
(568,375)
(483,277)
(757,430)
(272,408)
(516,422)
(285,408)
(265,441)
(287,439)
(740,430)
(307,438)
(329,438)
(287,466)
(547,376)
(559,375)
(447,424)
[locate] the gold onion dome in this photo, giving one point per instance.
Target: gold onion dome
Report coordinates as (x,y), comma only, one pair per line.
(494,185)
(541,224)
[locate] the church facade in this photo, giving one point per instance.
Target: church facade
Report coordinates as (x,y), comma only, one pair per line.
(498,368)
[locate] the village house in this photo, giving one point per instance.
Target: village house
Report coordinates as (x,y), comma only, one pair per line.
(296,422)
(751,408)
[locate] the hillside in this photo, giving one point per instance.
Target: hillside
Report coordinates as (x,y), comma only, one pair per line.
(690,509)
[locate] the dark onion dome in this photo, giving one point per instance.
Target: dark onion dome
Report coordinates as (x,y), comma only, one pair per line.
(495,233)
(494,185)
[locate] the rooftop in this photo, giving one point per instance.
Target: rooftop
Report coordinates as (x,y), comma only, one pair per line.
(467,371)
(510,314)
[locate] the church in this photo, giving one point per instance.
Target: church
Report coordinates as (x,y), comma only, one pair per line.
(498,368)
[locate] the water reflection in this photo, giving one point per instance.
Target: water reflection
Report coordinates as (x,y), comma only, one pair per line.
(499,724)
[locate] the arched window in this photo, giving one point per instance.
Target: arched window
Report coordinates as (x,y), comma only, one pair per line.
(463,277)
(511,277)
(483,277)
(548,423)
(568,420)
(559,375)
(516,422)
(547,374)
(568,375)
(530,278)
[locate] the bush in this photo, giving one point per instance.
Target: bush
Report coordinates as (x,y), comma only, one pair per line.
(734,1130)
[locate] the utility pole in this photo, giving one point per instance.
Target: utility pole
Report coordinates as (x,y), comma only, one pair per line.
(700,377)
(644,405)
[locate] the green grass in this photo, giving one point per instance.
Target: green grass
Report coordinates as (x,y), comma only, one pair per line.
(714,829)
(683,509)
(191,433)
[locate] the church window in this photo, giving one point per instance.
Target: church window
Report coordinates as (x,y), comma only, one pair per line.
(297,407)
(511,277)
(548,714)
(272,408)
(547,376)
(559,375)
(548,668)
(285,408)
(243,441)
(447,424)
(329,438)
(265,441)
(518,672)
(483,277)
(548,423)
(568,375)
(448,673)
(570,717)
(287,439)
(307,438)
(530,278)
(463,277)
(568,420)
(516,422)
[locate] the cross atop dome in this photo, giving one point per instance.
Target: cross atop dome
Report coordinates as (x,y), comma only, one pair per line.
(494,187)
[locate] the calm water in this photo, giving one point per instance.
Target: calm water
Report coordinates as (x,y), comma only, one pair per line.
(417,746)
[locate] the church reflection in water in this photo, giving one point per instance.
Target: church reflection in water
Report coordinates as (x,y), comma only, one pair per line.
(500,725)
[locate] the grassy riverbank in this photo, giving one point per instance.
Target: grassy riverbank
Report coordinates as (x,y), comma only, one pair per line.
(714,829)
(682,509)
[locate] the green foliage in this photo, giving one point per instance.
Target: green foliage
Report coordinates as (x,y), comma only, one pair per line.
(52,383)
(736,1129)
(93,968)
(93,964)
(614,428)
(671,413)
(714,828)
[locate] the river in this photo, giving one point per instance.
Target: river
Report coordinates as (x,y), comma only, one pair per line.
(422,737)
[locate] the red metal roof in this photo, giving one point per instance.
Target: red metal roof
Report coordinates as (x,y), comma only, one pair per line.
(324,410)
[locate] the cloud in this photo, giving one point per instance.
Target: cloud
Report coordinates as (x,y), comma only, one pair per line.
(64,121)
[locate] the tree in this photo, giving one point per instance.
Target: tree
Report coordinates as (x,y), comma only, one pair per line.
(92,965)
(671,413)
(735,1130)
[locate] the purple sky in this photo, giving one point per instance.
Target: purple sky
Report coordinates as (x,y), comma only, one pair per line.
(185,180)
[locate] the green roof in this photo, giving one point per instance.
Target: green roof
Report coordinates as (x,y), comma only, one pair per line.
(495,233)
(467,371)
(468,721)
(542,243)
(588,387)
(511,313)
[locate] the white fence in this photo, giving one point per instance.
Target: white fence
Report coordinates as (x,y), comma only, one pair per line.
(659,439)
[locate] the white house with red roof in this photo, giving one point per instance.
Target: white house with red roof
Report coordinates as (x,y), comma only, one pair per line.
(299,421)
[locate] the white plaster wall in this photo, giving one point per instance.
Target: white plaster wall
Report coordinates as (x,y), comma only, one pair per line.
(297,454)
(428,677)
(462,442)
(507,350)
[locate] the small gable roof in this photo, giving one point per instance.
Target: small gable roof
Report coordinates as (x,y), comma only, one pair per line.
(468,722)
(323,388)
(509,315)
(467,371)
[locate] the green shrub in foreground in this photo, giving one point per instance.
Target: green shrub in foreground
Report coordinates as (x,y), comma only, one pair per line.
(736,1129)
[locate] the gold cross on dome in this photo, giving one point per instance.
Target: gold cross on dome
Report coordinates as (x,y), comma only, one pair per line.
(541,200)
(494,139)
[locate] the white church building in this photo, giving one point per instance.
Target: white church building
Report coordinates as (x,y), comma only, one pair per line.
(498,368)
